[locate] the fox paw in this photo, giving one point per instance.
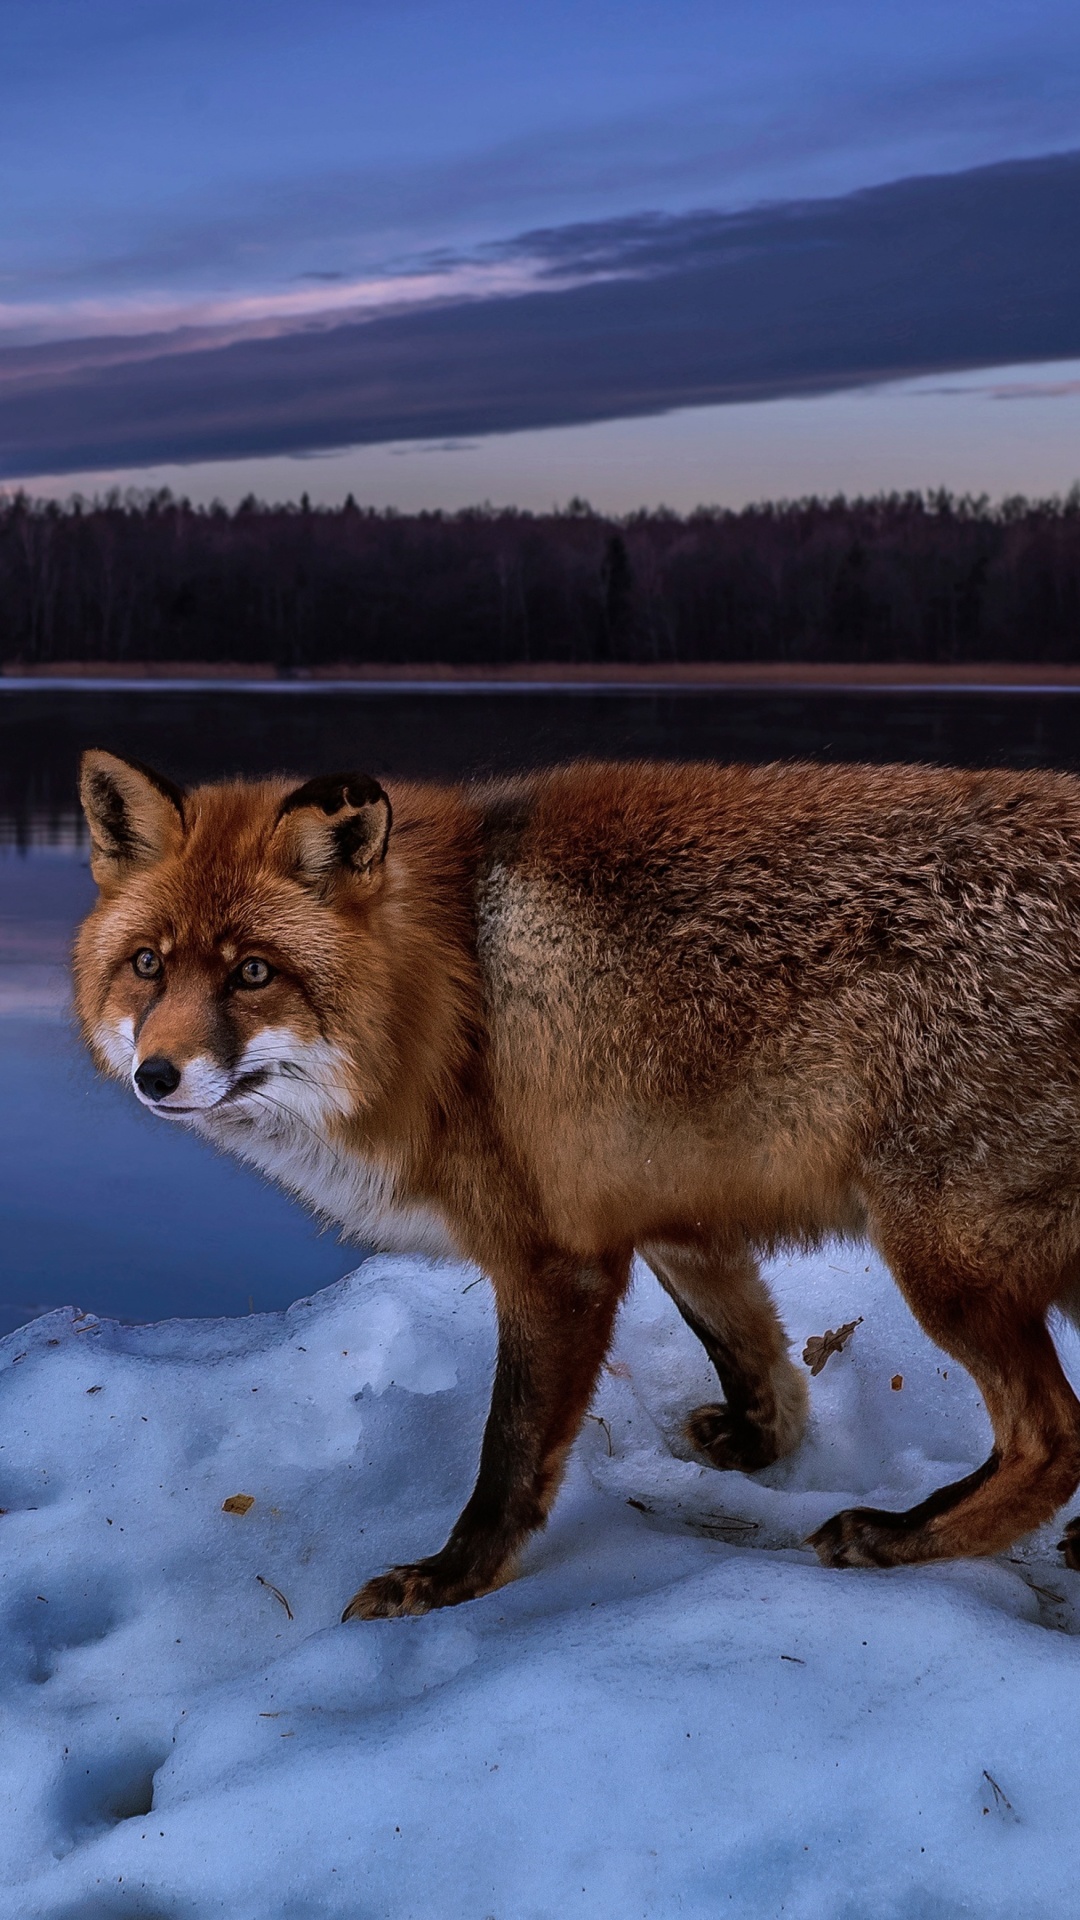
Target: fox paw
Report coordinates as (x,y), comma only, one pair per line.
(419,1588)
(1070,1545)
(863,1537)
(728,1439)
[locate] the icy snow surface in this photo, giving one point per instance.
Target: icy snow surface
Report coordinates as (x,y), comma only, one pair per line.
(673,1711)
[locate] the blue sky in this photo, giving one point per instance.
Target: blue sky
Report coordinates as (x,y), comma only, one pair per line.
(441,251)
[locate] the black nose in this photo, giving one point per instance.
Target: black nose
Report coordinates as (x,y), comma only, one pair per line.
(157,1077)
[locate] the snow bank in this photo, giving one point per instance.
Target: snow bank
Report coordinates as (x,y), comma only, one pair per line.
(674,1711)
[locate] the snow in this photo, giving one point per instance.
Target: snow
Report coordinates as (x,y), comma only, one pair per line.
(672,1711)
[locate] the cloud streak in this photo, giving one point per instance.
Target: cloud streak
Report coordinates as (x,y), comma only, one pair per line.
(618,318)
(321,299)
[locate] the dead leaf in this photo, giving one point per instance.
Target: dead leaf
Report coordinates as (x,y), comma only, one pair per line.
(897,1382)
(238,1503)
(820,1347)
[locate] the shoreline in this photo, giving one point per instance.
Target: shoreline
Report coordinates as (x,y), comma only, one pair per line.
(610,677)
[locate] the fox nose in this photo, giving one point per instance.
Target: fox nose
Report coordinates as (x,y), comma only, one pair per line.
(157,1077)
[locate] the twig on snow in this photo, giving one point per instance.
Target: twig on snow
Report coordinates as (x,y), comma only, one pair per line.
(277,1593)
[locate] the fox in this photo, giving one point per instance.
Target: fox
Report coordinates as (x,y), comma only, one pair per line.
(696,1013)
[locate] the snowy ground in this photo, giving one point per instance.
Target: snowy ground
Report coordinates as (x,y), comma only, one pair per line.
(674,1711)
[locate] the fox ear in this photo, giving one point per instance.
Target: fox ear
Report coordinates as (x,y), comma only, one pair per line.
(341,820)
(135,816)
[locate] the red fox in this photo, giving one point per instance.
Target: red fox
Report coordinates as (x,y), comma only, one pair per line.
(694,1011)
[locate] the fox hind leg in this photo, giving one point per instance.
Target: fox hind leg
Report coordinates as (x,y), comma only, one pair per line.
(724,1301)
(983,1320)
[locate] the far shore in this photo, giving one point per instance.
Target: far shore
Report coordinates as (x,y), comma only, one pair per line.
(750,675)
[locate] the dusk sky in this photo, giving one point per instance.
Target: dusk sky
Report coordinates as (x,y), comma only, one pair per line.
(437,251)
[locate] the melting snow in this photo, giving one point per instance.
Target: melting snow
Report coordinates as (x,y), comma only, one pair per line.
(673,1711)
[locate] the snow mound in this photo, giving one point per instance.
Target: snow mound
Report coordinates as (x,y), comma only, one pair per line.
(674,1710)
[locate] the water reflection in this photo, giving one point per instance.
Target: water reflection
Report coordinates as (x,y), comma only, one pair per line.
(203,735)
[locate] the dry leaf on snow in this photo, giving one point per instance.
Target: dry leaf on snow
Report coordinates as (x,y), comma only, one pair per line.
(820,1345)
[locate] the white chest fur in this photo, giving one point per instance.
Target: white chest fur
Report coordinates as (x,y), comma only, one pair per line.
(343,1189)
(283,1129)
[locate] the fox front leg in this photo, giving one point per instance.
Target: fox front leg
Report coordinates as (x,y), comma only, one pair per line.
(555,1322)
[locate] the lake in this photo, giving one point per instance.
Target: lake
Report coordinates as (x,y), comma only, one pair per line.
(103,1208)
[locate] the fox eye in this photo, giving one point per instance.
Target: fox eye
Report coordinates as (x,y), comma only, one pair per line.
(146,963)
(253,973)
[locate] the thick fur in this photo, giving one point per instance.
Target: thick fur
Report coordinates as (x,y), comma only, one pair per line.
(694,1011)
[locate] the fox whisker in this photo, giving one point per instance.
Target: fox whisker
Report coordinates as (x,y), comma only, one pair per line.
(257,1093)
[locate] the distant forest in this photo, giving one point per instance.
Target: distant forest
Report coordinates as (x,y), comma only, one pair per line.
(917,577)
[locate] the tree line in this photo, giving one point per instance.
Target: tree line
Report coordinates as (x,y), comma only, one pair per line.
(916,576)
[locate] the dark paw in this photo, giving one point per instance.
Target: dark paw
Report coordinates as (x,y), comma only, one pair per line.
(863,1537)
(728,1439)
(1070,1545)
(419,1588)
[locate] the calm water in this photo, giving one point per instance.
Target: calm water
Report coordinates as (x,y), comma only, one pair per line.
(102,1206)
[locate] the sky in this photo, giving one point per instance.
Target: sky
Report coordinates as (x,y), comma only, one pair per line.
(439,251)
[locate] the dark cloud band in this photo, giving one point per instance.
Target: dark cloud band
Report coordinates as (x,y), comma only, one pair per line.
(964,270)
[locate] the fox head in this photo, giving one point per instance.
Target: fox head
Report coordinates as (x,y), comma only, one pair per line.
(232,970)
